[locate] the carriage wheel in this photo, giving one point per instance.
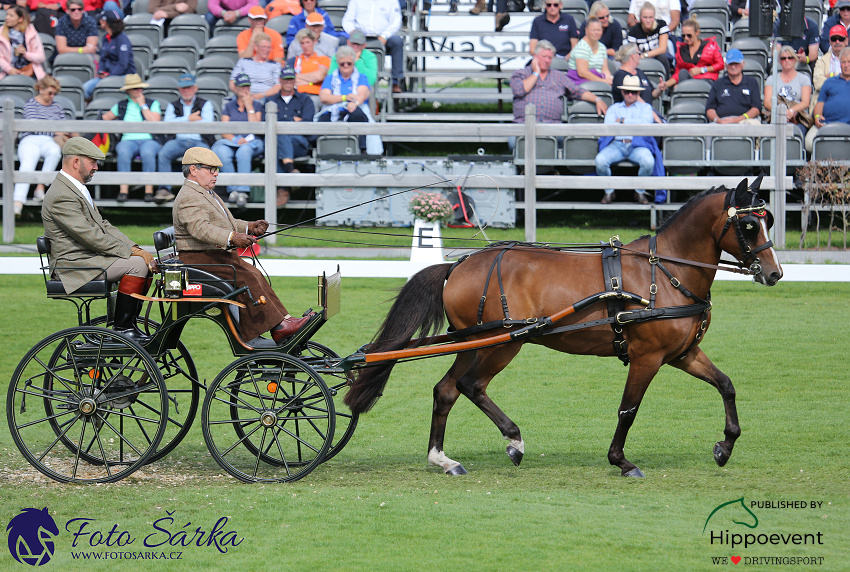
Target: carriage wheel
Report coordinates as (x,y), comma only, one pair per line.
(316,355)
(184,390)
(268,418)
(94,390)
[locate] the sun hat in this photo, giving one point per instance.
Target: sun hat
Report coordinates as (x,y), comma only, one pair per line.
(133,81)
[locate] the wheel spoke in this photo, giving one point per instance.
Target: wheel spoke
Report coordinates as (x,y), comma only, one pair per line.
(239,442)
(64,432)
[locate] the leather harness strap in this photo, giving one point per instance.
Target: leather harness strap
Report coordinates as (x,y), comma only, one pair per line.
(612,271)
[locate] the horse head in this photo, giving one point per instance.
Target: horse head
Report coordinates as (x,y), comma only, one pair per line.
(747,215)
(31,536)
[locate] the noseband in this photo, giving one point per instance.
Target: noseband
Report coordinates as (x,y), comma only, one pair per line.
(746,226)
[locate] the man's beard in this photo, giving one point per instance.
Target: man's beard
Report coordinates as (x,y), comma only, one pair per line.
(85,176)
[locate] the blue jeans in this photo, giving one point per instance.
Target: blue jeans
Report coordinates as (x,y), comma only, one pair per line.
(291,146)
(228,150)
(618,151)
(88,87)
(171,151)
(146,148)
(395,49)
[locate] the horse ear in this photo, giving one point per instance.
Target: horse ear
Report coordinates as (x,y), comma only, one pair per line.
(756,186)
(742,194)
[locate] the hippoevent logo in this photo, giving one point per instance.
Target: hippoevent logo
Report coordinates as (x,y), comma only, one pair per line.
(31,535)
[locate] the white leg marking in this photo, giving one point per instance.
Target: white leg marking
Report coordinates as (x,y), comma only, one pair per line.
(440,459)
(518,445)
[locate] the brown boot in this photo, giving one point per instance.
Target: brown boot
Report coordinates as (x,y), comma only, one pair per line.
(502,20)
(480,6)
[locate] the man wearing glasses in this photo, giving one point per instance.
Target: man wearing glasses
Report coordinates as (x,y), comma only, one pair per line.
(734,97)
(84,246)
(828,65)
(76,31)
(840,17)
(206,232)
(553,25)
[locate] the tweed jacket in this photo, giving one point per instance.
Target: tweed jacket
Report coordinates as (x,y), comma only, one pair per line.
(79,236)
(200,222)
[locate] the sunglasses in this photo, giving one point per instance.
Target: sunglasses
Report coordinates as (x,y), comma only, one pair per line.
(844,8)
(212,170)
(688,36)
(782,58)
(549,5)
(837,38)
(75,9)
(605,17)
(344,64)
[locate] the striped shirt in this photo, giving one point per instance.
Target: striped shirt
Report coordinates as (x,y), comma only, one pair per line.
(34,110)
(264,75)
(583,51)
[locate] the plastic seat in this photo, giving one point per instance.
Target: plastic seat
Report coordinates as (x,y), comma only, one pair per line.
(713,27)
(280,24)
(217,65)
(832,142)
(68,106)
(169,66)
(337,145)
(109,86)
(687,111)
(814,10)
(653,69)
(726,148)
(222,46)
(17,103)
(72,88)
(713,8)
(49,43)
(753,49)
(600,89)
(140,23)
(143,52)
(80,66)
(18,85)
(212,88)
(546,147)
(691,90)
(183,47)
(235,29)
(583,112)
(690,151)
(740,29)
(584,151)
(192,26)
(575,8)
(100,105)
(163,88)
(795,152)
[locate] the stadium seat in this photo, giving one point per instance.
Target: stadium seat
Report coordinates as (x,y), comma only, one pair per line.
(336,17)
(49,43)
(713,8)
(140,6)
(547,148)
(17,103)
(72,88)
(795,151)
(619,10)
(832,142)
(68,106)
(98,106)
(163,88)
(740,29)
(18,85)
(583,150)
(709,26)
(337,145)
(653,69)
(575,8)
(683,155)
(193,26)
(280,24)
(235,29)
(814,10)
(728,148)
(80,66)
(692,89)
(583,112)
(217,65)
(184,47)
(222,46)
(753,49)
(687,111)
(212,88)
(141,24)
(109,86)
(752,68)
(143,52)
(600,89)
(170,66)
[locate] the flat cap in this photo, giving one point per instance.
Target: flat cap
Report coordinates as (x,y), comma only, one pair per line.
(80,146)
(201,156)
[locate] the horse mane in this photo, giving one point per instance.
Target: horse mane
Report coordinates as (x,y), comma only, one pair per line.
(693,201)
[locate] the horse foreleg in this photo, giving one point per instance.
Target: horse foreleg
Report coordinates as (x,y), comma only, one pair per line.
(640,375)
(445,396)
(698,365)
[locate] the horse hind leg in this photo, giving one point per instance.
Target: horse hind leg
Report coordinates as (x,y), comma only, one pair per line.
(698,365)
(445,396)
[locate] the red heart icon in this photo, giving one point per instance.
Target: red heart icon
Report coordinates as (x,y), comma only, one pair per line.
(735,559)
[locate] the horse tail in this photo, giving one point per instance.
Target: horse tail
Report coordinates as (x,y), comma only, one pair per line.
(418,309)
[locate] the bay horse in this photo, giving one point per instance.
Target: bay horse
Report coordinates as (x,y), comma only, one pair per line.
(534,282)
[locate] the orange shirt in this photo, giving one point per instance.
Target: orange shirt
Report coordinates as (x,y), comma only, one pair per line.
(244,38)
(304,64)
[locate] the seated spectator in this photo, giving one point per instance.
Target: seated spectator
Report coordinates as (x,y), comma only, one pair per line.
(641,150)
(325,44)
(162,10)
(740,9)
(612,32)
(553,25)
(589,59)
(794,86)
(262,72)
(35,146)
(116,52)
(242,148)
(695,58)
(276,8)
(365,61)
(670,11)
(291,106)
(188,107)
(299,21)
(21,51)
(228,10)
(135,108)
(828,65)
(805,47)
(76,31)
(651,35)
(44,15)
(833,105)
(629,56)
(310,68)
(257,17)
(379,19)
(840,17)
(734,97)
(345,97)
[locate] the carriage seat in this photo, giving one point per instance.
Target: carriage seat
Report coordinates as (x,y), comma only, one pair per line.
(55,289)
(163,239)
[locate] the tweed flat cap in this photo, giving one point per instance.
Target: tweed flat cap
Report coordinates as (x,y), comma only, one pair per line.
(201,156)
(80,146)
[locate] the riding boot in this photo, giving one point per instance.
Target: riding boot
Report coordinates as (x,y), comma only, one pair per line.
(480,6)
(126,311)
(502,20)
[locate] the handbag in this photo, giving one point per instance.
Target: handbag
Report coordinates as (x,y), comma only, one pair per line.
(803,116)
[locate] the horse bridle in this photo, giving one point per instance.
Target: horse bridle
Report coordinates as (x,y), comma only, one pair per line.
(746,223)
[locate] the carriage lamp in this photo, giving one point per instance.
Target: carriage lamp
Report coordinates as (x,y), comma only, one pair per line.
(174,280)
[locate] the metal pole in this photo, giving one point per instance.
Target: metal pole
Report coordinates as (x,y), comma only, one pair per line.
(8,170)
(530,173)
(777,199)
(271,168)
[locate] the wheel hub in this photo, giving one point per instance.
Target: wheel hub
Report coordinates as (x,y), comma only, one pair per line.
(88,406)
(268,419)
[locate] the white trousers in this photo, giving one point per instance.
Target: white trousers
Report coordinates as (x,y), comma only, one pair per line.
(30,150)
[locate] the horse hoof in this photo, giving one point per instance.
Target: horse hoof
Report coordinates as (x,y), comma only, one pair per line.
(634,473)
(515,455)
(721,455)
(456,470)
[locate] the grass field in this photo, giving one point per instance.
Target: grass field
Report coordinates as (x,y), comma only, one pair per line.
(377,505)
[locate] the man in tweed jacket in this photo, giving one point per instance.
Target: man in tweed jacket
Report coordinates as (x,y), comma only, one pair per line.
(84,246)
(204,230)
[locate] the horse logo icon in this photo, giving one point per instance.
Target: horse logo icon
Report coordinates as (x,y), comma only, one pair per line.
(732,503)
(31,535)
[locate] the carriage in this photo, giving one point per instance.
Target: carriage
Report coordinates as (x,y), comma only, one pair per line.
(87,404)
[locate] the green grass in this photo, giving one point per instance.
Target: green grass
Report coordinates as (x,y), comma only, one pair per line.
(378,504)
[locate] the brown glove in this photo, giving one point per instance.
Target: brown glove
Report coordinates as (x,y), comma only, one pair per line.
(242,240)
(147,256)
(258,227)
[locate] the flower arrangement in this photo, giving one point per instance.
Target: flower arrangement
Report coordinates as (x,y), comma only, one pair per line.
(430,207)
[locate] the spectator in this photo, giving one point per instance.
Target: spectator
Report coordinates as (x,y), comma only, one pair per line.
(135,108)
(257,24)
(629,56)
(299,21)
(651,36)
(537,83)
(379,19)
(345,97)
(116,52)
(641,150)
(188,107)
(734,97)
(795,87)
(21,51)
(364,60)
(739,9)
(807,46)
(242,148)
(162,10)
(291,106)
(833,105)
(828,65)
(589,59)
(262,72)
(612,32)
(44,15)
(670,11)
(840,17)
(76,31)
(228,10)
(695,58)
(310,68)
(325,44)
(553,25)
(36,146)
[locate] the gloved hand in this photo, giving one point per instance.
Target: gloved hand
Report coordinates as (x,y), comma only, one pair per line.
(242,240)
(258,227)
(147,256)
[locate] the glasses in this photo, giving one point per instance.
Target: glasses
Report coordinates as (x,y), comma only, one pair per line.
(212,170)
(782,58)
(687,36)
(75,9)
(605,17)
(550,4)
(344,64)
(50,93)
(837,38)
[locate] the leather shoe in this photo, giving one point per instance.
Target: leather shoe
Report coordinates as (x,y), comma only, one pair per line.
(641,198)
(396,88)
(282,197)
(121,198)
(609,198)
(289,326)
